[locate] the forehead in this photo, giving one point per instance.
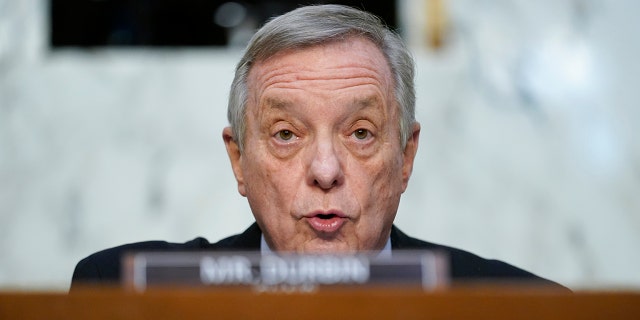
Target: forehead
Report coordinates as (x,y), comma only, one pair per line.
(339,63)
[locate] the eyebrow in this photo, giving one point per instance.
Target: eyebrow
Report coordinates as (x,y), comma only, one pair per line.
(363,103)
(276,103)
(359,103)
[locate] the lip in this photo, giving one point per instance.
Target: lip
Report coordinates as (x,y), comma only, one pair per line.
(326,222)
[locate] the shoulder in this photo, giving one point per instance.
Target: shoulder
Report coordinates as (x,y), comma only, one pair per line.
(468,267)
(105,266)
(249,240)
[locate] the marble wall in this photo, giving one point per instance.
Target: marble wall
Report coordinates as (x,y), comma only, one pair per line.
(529,148)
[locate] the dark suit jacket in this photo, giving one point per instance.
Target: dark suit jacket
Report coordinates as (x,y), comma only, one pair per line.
(105,266)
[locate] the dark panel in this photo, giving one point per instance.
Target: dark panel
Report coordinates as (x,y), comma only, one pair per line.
(106,23)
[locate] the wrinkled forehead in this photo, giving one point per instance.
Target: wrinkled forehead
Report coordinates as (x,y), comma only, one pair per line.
(333,60)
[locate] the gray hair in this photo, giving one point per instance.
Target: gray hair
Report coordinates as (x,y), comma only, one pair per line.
(313,25)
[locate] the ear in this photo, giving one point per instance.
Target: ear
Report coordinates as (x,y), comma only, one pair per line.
(233,151)
(409,154)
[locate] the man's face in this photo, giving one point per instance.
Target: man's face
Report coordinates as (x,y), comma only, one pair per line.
(322,166)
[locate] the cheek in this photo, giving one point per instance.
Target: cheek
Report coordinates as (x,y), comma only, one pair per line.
(269,180)
(383,185)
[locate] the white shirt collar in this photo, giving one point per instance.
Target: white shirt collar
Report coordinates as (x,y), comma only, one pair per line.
(384,253)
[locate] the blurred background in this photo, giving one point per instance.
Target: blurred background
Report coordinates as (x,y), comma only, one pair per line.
(111,115)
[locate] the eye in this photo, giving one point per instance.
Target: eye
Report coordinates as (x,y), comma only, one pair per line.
(361,134)
(285,135)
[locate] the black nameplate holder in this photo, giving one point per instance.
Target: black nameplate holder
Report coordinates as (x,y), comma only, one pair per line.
(276,272)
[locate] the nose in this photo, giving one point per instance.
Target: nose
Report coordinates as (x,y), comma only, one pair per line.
(325,170)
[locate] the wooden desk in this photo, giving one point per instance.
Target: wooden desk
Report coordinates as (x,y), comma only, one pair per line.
(340,303)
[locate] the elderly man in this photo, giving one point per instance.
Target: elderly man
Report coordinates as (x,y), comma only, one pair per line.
(322,141)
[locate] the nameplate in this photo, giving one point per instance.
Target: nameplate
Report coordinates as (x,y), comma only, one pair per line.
(142,270)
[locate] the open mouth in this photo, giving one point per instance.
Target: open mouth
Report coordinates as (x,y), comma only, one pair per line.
(326,222)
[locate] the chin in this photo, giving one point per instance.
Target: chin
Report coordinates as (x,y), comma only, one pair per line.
(324,246)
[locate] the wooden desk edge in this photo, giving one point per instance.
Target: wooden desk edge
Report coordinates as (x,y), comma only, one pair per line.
(353,303)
